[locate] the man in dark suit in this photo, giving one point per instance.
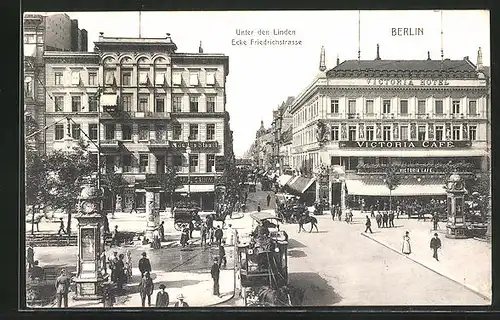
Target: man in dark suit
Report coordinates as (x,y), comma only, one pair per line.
(162,298)
(435,220)
(385,219)
(368,225)
(215,271)
(391,219)
(62,289)
(144,264)
(222,255)
(146,288)
(218,235)
(161,230)
(435,245)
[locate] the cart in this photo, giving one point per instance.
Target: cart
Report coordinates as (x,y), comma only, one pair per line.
(183,216)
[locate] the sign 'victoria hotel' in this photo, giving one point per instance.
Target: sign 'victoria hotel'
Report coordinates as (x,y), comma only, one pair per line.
(421,116)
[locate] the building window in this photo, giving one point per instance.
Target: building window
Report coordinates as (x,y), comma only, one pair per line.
(92,78)
(126,132)
(193,104)
(92,103)
(29,38)
(193,79)
(403,133)
(58,77)
(75,131)
(76,103)
(334,106)
(210,162)
(352,109)
(210,131)
(335,133)
(109,77)
(403,107)
(456,133)
(177,104)
(160,105)
(210,104)
(211,78)
(177,161)
(473,107)
(143,103)
(59,103)
(160,78)
(386,133)
(75,78)
(439,133)
(370,133)
(352,133)
(28,88)
(177,78)
(127,102)
(455,105)
(143,77)
(369,107)
(421,107)
(176,132)
(161,133)
(126,78)
(472,133)
(59,132)
(109,131)
(421,133)
(93,131)
(438,107)
(386,106)
(143,133)
(193,162)
(143,162)
(193,132)
(127,162)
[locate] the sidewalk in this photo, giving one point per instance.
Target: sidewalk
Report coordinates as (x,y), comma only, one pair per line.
(465,261)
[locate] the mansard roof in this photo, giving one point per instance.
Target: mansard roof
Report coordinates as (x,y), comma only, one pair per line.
(404,68)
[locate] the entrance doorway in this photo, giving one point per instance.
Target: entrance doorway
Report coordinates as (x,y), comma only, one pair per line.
(160,164)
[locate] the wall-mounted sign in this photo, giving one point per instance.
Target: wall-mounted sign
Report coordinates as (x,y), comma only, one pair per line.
(405,144)
(197,180)
(407,82)
(195,145)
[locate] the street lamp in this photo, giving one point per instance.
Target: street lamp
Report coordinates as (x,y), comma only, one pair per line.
(188,151)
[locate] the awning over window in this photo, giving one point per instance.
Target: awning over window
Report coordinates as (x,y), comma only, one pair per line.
(194,188)
(283,179)
(300,184)
(109,100)
(359,188)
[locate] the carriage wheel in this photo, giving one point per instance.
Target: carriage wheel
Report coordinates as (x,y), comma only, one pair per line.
(178,226)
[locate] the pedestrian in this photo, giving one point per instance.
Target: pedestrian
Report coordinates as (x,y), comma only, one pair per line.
(435,245)
(112,265)
(156,239)
(222,255)
(36,271)
(144,264)
(332,212)
(339,213)
(435,220)
(258,207)
(368,225)
(128,265)
(134,205)
(191,229)
(62,289)
(268,199)
(203,233)
(378,218)
(146,287)
(162,298)
(120,271)
(114,237)
(218,235)
(372,211)
(406,243)
(215,271)
(385,219)
(30,256)
(391,219)
(61,227)
(398,210)
(161,229)
(180,302)
(184,236)
(230,231)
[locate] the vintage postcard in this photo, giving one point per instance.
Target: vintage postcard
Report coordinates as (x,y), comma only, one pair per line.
(256,159)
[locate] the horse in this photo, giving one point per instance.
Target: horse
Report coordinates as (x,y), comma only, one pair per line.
(284,296)
(308,219)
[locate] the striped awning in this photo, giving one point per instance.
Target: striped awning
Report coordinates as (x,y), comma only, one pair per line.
(194,188)
(300,184)
(359,188)
(283,179)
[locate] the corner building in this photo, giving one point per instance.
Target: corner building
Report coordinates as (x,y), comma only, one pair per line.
(421,117)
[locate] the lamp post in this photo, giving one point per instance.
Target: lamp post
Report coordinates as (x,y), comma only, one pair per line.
(188,151)
(392,182)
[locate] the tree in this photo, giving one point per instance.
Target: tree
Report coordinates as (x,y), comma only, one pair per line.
(169,181)
(35,184)
(113,181)
(392,181)
(67,172)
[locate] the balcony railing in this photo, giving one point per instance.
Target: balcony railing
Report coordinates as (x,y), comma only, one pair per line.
(109,143)
(153,143)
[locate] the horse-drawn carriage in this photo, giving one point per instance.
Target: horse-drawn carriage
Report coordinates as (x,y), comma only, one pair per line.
(263,265)
(184,215)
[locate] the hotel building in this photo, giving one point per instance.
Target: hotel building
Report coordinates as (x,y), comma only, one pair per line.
(423,118)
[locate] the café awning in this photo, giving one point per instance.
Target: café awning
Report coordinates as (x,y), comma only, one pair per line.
(196,188)
(283,179)
(109,100)
(359,188)
(300,184)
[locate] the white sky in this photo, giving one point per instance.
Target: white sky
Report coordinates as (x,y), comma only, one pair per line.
(260,78)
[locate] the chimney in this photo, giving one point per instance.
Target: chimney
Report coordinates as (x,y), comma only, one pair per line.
(338,60)
(378,52)
(322,63)
(428,55)
(101,36)
(479,60)
(200,48)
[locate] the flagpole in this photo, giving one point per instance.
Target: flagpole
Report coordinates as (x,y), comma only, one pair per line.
(359,35)
(442,52)
(140,23)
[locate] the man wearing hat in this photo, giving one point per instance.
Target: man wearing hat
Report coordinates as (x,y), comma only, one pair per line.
(435,245)
(112,265)
(162,298)
(114,237)
(144,264)
(146,288)
(181,302)
(62,288)
(215,271)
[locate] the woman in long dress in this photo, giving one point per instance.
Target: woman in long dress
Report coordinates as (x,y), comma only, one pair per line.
(406,244)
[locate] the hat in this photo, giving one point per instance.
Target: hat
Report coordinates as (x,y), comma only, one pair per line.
(436,234)
(115,251)
(162,286)
(216,259)
(180,297)
(144,254)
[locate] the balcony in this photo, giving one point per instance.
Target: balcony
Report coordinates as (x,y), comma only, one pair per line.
(110,144)
(120,114)
(422,116)
(158,144)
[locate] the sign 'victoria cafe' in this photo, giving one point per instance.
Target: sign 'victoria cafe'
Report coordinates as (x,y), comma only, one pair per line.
(405,144)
